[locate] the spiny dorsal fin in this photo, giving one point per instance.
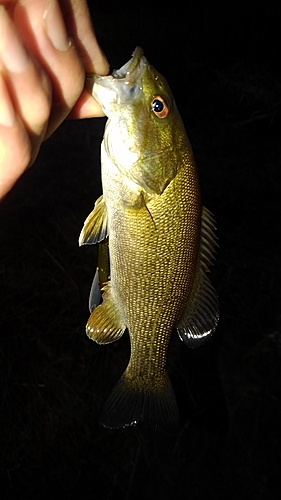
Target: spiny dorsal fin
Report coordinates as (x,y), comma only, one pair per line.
(201,315)
(105,324)
(95,226)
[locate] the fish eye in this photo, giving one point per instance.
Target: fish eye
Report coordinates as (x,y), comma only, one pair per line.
(159,106)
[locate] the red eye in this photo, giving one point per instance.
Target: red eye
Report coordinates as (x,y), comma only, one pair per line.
(159,106)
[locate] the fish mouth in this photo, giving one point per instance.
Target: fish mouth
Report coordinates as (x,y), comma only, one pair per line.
(123,84)
(136,62)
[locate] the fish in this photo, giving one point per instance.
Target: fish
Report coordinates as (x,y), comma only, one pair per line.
(161,242)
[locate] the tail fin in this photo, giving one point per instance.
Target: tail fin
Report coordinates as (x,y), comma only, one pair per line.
(127,405)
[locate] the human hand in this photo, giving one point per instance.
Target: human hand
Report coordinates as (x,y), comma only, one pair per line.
(46,47)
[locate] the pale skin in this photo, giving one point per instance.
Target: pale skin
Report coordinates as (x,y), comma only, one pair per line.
(46,49)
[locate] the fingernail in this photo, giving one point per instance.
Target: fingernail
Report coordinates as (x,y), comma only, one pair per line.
(7,113)
(55,26)
(12,52)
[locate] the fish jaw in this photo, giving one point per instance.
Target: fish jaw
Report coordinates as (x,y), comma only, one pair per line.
(122,86)
(145,149)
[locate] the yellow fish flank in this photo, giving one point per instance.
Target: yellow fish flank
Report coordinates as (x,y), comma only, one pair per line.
(161,241)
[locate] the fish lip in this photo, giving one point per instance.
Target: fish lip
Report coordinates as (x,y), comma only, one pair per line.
(131,66)
(128,73)
(122,86)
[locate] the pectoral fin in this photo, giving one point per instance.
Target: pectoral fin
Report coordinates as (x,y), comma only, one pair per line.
(105,324)
(201,315)
(95,226)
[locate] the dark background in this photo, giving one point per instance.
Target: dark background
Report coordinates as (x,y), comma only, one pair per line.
(222,61)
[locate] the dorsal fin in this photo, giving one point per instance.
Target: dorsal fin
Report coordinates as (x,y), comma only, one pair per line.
(201,315)
(95,226)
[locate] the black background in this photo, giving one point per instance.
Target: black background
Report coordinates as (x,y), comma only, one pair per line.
(222,61)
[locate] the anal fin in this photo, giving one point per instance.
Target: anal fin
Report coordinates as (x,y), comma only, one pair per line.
(105,324)
(201,315)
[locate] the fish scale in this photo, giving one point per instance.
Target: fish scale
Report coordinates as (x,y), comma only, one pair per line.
(164,279)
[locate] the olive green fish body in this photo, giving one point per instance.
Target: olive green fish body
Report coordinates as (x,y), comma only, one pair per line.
(161,242)
(153,285)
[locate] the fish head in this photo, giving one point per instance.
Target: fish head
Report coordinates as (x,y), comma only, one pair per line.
(144,135)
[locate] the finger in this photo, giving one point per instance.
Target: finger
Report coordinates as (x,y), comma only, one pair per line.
(86,107)
(27,84)
(43,32)
(79,27)
(9,5)
(78,22)
(15,147)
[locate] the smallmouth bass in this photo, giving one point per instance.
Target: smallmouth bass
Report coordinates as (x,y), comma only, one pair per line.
(161,241)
